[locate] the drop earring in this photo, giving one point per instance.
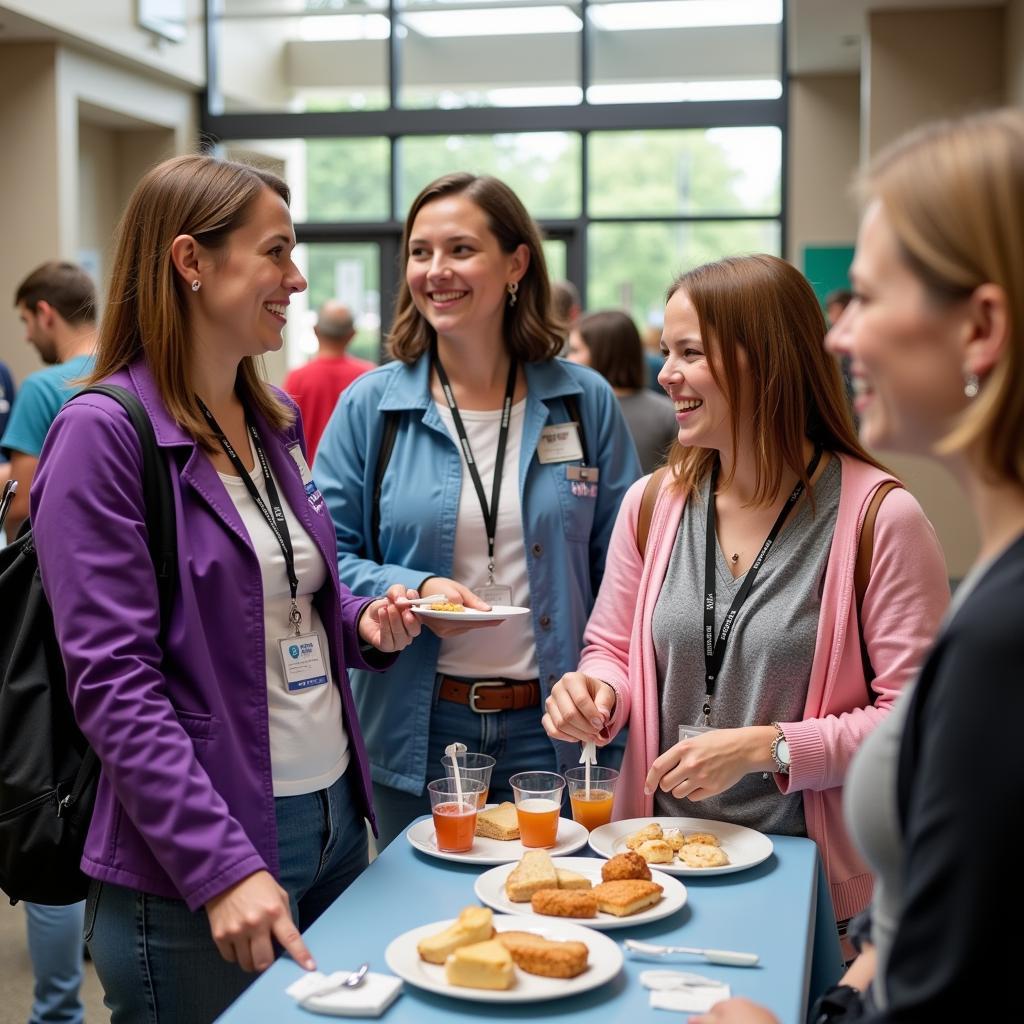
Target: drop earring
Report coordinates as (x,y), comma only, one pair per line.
(513,287)
(972,385)
(196,285)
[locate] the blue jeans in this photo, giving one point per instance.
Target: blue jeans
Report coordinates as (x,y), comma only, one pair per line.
(55,946)
(515,739)
(157,960)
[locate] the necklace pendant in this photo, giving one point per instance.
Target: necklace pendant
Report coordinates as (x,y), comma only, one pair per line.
(734,557)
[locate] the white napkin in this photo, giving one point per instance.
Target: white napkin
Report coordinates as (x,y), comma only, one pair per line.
(370,999)
(692,999)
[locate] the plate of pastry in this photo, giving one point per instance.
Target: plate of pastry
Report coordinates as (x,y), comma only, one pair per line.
(684,846)
(602,894)
(497,837)
(498,612)
(493,958)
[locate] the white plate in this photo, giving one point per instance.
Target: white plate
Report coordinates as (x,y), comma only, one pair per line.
(490,888)
(604,963)
(498,613)
(744,846)
(570,837)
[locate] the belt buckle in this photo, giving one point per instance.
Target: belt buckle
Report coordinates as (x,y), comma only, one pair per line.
(473,695)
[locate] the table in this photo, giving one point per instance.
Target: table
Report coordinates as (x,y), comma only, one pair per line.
(780,910)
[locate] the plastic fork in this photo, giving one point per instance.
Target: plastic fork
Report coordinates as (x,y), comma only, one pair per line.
(727,957)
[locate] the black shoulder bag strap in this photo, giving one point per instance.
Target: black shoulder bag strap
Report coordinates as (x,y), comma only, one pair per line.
(387,444)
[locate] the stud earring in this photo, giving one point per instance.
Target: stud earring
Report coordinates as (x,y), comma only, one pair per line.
(972,385)
(513,287)
(196,285)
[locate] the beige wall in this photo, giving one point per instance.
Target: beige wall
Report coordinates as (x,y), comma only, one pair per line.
(1014,32)
(824,146)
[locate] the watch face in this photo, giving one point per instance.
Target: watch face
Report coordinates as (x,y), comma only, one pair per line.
(782,749)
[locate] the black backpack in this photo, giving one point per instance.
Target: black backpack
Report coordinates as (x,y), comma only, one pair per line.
(48,772)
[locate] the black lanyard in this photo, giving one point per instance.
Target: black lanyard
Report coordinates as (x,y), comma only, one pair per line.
(490,512)
(274,515)
(714,651)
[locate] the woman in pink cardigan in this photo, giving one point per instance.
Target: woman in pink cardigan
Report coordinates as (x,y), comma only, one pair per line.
(740,616)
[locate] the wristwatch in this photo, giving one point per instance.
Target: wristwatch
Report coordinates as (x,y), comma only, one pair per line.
(780,750)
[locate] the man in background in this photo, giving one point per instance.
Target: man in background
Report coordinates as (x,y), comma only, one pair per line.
(57,305)
(316,386)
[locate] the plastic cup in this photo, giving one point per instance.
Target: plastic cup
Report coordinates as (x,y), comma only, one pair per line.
(472,766)
(454,821)
(538,806)
(591,809)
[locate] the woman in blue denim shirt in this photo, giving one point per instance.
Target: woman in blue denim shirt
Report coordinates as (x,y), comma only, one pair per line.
(474,309)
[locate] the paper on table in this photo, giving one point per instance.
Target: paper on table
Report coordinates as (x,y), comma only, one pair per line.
(692,999)
(369,999)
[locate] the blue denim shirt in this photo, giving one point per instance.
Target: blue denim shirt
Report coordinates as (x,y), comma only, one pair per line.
(566,535)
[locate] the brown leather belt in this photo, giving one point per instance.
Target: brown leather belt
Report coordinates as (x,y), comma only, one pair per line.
(486,696)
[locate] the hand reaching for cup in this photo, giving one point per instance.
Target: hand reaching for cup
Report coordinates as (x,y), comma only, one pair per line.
(579,709)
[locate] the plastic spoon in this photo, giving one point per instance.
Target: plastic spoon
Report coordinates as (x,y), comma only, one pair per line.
(728,957)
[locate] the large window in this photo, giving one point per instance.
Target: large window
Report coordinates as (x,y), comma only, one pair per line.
(645,136)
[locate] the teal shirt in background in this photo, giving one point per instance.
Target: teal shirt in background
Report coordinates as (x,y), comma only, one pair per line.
(39,400)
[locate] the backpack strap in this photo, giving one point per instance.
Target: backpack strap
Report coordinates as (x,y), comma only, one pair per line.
(572,407)
(862,568)
(643,520)
(387,444)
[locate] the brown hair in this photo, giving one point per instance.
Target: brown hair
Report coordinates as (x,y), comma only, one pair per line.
(765,306)
(532,331)
(147,314)
(616,351)
(65,286)
(953,192)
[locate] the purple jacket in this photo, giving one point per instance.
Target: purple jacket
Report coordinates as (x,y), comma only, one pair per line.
(185,805)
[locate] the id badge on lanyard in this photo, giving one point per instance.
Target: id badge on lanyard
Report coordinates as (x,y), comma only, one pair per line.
(302,660)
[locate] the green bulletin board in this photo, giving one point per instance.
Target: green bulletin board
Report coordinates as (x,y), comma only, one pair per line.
(827,267)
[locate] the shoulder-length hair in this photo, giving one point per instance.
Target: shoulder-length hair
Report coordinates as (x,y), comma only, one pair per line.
(616,351)
(531,329)
(953,192)
(147,312)
(766,307)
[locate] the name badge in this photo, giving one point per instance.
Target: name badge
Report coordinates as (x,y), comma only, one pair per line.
(559,443)
(303,662)
(313,495)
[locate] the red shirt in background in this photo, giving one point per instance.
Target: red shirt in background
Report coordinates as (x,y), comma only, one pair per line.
(315,388)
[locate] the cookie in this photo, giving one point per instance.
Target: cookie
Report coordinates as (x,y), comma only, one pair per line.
(656,851)
(703,855)
(652,831)
(702,837)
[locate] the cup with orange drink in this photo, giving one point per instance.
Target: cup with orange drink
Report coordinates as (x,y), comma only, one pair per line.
(591,807)
(538,806)
(471,766)
(454,812)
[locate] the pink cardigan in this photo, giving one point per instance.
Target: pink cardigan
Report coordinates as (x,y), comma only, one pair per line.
(905,599)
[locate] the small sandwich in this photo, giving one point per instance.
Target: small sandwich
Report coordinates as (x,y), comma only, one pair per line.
(537,955)
(533,873)
(627,896)
(498,823)
(571,880)
(474,924)
(481,965)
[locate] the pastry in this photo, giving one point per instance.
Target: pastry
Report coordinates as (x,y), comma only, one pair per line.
(446,606)
(652,831)
(656,851)
(562,903)
(537,955)
(675,838)
(474,924)
(572,880)
(499,822)
(481,965)
(703,855)
(703,837)
(626,896)
(625,865)
(533,873)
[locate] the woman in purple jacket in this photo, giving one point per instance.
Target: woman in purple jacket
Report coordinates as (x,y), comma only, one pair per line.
(234,778)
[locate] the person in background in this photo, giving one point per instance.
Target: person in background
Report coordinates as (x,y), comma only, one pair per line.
(752,542)
(316,386)
(835,303)
(56,303)
(653,359)
(550,456)
(935,337)
(234,787)
(609,342)
(565,302)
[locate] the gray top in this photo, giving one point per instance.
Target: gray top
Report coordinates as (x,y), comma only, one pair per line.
(651,419)
(767,665)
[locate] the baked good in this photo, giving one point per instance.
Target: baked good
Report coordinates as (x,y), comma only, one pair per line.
(656,851)
(498,822)
(626,896)
(703,837)
(571,880)
(563,903)
(474,924)
(674,837)
(481,965)
(652,831)
(703,855)
(533,873)
(625,865)
(446,606)
(537,955)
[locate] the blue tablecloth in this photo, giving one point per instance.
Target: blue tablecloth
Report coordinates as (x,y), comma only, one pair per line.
(779,910)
